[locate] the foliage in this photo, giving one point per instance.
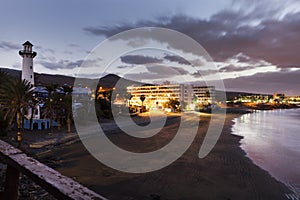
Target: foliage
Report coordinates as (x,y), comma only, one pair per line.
(142,98)
(51,103)
(174,104)
(15,96)
(3,125)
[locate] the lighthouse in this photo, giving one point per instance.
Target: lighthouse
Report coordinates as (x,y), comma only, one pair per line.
(27,65)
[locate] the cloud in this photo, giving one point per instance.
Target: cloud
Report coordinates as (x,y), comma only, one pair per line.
(9,46)
(67,64)
(269,82)
(157,72)
(145,76)
(62,64)
(73,45)
(240,57)
(270,36)
(124,66)
(201,73)
(139,59)
(165,69)
(233,68)
(177,59)
(43,51)
(288,66)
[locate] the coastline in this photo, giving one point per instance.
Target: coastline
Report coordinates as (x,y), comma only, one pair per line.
(226,173)
(264,161)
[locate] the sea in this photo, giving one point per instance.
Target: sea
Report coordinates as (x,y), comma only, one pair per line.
(272,141)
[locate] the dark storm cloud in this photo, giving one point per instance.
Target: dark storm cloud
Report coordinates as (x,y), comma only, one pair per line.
(9,46)
(158,71)
(201,73)
(230,32)
(139,59)
(269,82)
(288,66)
(62,64)
(177,59)
(68,64)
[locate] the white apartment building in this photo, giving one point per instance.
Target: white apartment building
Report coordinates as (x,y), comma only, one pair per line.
(158,95)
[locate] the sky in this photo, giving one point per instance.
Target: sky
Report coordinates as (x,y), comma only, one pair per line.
(253,45)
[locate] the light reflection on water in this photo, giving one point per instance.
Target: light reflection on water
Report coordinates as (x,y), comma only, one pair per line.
(272,141)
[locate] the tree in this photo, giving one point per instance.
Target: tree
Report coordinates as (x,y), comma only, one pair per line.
(67,104)
(49,103)
(129,97)
(3,76)
(142,98)
(4,126)
(33,103)
(174,104)
(15,96)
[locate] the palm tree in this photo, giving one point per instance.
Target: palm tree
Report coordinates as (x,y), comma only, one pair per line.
(33,103)
(142,98)
(3,76)
(49,103)
(14,99)
(67,103)
(4,126)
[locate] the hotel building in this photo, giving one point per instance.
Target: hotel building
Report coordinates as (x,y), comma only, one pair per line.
(159,95)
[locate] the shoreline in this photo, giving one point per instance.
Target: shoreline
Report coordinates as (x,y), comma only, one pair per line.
(226,173)
(293,186)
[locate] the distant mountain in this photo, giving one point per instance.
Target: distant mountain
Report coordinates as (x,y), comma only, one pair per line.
(12,72)
(107,81)
(43,79)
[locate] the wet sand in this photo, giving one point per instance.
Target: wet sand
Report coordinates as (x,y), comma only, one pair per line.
(226,173)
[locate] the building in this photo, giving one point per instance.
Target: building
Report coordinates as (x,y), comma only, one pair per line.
(81,93)
(27,63)
(28,74)
(204,94)
(159,95)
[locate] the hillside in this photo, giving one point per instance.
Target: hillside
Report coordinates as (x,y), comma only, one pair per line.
(107,81)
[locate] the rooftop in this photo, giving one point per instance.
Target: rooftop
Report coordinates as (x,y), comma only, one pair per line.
(27,43)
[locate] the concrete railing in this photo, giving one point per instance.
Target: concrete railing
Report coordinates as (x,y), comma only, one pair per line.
(52,181)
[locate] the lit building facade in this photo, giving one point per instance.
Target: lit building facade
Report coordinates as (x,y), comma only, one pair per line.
(159,95)
(204,94)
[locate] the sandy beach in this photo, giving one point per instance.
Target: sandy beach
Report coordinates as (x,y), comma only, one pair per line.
(226,173)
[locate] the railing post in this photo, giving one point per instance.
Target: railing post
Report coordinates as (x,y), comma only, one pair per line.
(11,183)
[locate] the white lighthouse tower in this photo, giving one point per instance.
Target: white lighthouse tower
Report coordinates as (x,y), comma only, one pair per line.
(27,64)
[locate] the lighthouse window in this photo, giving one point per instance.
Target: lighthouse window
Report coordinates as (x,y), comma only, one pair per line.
(30,67)
(30,76)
